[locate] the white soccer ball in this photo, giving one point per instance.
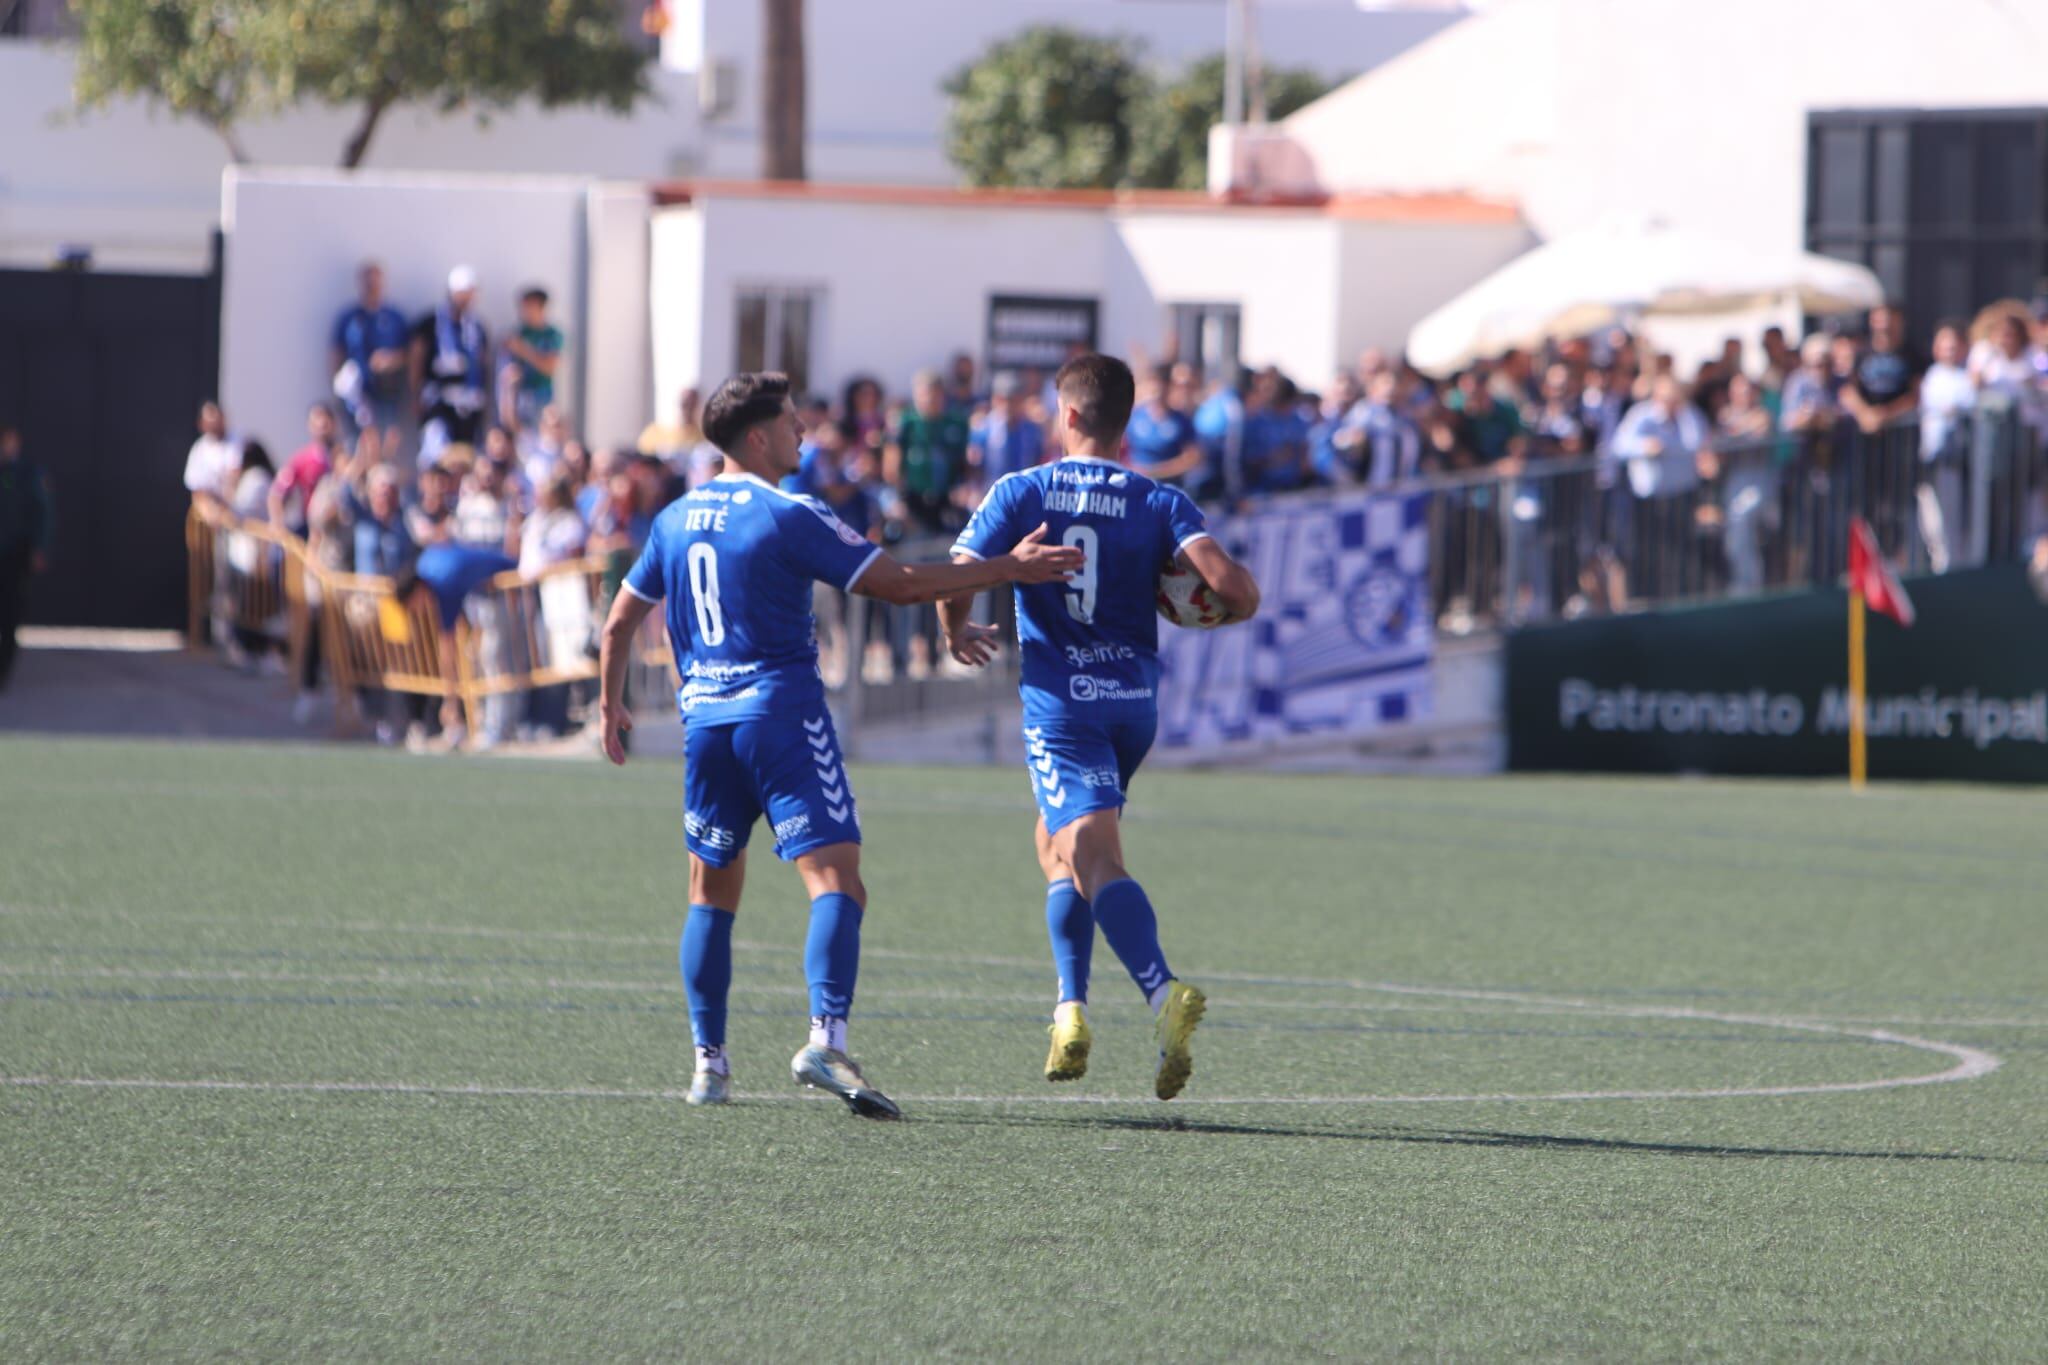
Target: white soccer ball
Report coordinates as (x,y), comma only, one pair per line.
(1185,600)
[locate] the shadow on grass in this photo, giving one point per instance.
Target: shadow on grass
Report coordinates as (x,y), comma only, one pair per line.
(1461,1137)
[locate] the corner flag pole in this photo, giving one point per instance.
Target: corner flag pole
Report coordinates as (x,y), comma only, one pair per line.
(1859,756)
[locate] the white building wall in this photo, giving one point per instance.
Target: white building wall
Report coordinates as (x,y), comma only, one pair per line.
(903,285)
(615,377)
(1281,268)
(1395,274)
(675,303)
(294,241)
(143,189)
(875,66)
(1581,110)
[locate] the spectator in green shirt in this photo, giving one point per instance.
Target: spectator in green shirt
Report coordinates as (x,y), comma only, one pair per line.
(928,455)
(527,383)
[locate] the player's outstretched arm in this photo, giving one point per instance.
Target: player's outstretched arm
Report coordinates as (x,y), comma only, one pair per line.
(615,654)
(968,642)
(1231,581)
(1032,561)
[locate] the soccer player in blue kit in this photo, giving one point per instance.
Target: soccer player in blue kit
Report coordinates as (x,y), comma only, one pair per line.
(1090,686)
(735,560)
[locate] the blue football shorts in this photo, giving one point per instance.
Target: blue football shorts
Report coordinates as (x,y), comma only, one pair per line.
(788,770)
(1081,766)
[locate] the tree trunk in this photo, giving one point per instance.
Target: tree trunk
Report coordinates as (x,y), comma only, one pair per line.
(237,153)
(359,141)
(782,90)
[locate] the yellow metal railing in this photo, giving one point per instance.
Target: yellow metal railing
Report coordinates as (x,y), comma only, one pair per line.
(517,633)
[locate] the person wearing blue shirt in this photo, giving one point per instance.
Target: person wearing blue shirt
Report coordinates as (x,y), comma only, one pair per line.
(1161,437)
(1090,685)
(1275,436)
(734,563)
(367,357)
(1219,426)
(1006,440)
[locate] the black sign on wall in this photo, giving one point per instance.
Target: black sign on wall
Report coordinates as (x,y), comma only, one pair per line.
(1036,330)
(1762,687)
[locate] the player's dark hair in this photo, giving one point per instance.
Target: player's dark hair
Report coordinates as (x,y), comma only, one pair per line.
(742,403)
(533,294)
(1102,388)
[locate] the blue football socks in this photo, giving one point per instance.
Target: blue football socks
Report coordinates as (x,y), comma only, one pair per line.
(1071,926)
(832,962)
(705,956)
(1132,929)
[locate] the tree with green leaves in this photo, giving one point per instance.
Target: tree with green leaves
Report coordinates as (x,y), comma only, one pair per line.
(223,62)
(1048,109)
(1170,129)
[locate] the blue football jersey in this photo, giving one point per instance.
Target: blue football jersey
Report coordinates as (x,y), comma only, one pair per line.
(735,561)
(1091,645)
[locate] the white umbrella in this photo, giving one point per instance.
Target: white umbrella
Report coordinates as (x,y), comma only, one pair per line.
(1584,281)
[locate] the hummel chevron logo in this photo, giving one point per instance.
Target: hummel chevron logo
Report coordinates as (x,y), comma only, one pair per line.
(838,813)
(1055,799)
(1051,782)
(816,727)
(1045,764)
(1033,732)
(829,776)
(835,794)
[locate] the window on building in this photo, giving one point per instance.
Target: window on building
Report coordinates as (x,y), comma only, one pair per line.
(777,327)
(1206,334)
(1950,209)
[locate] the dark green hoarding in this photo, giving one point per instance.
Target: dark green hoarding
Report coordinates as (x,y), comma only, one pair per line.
(1760,687)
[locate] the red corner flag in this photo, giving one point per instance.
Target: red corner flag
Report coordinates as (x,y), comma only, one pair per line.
(1872,579)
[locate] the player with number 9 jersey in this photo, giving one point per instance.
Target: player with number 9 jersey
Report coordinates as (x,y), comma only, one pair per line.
(1090,687)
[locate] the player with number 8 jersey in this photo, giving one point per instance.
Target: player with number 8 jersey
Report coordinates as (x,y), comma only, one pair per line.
(1091,689)
(734,562)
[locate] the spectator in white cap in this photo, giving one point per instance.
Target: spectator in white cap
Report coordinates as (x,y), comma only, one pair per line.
(451,358)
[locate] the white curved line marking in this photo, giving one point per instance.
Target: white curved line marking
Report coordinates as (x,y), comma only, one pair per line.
(1970,1063)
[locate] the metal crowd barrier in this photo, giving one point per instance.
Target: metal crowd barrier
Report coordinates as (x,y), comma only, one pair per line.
(1573,536)
(247,583)
(516,636)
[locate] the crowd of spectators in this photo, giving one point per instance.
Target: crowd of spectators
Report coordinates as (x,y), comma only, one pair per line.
(432,439)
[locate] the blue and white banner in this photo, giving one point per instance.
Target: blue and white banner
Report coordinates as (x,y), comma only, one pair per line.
(1341,646)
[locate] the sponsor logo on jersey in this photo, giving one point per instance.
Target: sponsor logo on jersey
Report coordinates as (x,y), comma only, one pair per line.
(712,670)
(1086,687)
(704,832)
(702,694)
(743,496)
(1081,656)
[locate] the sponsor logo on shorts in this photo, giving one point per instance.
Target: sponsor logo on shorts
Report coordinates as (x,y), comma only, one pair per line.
(786,830)
(1102,777)
(706,833)
(1085,687)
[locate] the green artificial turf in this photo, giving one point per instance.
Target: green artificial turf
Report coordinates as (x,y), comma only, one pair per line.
(415,928)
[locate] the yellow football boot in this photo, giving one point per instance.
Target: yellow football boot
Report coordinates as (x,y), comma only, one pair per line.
(1175,1028)
(1068,1060)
